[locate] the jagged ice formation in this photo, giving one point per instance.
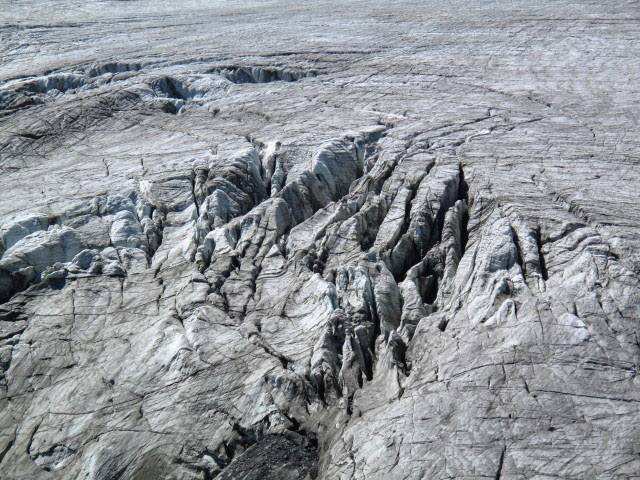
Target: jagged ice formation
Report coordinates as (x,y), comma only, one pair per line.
(345,240)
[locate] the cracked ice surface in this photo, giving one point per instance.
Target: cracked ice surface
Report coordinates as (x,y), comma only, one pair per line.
(351,240)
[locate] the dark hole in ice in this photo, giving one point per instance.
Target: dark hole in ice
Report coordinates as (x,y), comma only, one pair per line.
(237,74)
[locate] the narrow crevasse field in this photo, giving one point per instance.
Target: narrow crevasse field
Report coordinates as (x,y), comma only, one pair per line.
(335,240)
